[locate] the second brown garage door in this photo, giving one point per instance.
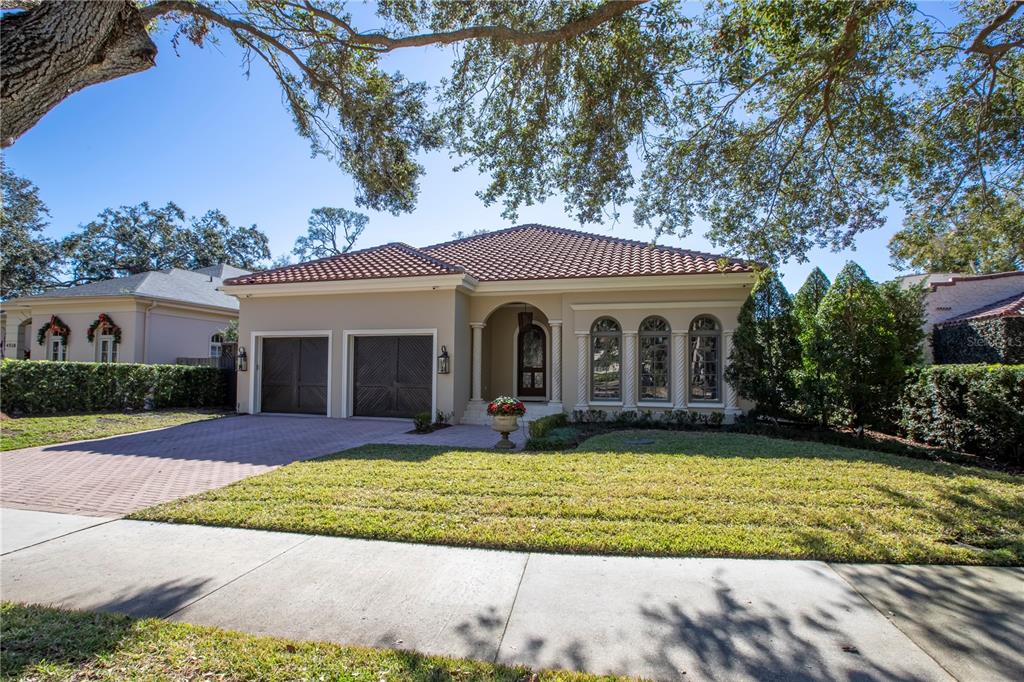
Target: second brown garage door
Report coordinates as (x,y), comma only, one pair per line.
(393,376)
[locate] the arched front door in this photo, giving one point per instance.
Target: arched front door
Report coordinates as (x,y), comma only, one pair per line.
(531,366)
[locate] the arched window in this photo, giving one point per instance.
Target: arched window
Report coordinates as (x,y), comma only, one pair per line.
(605,360)
(705,359)
(216,342)
(654,359)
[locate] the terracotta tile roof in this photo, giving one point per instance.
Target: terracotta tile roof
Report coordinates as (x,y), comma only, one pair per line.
(384,261)
(542,252)
(526,252)
(1008,307)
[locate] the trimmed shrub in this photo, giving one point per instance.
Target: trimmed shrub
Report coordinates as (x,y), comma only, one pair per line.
(558,438)
(996,340)
(34,387)
(421,422)
(539,428)
(971,408)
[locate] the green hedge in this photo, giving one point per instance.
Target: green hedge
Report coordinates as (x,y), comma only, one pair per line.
(997,340)
(34,387)
(971,408)
(540,428)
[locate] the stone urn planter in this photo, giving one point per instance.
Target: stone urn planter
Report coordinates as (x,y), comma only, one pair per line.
(505,413)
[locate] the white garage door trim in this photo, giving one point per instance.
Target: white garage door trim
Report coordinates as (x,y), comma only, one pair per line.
(348,360)
(256,362)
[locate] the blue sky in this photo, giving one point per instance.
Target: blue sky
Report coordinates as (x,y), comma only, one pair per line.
(196,131)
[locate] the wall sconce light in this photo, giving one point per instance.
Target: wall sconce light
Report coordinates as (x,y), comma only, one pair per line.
(443,361)
(243,360)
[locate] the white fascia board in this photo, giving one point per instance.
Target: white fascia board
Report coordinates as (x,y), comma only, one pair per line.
(356,286)
(702,281)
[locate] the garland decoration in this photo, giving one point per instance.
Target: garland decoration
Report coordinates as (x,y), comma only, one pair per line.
(56,327)
(104,323)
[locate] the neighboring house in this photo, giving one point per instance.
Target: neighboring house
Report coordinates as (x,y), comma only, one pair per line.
(951,296)
(992,333)
(562,319)
(152,317)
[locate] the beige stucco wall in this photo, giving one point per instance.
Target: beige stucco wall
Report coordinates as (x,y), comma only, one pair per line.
(174,331)
(450,313)
(630,308)
(78,317)
(578,311)
(342,314)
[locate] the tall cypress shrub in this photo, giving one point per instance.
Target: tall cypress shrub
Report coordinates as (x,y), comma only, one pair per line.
(811,381)
(766,352)
(859,346)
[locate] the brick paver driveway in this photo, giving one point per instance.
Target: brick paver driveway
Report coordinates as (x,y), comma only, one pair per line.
(115,476)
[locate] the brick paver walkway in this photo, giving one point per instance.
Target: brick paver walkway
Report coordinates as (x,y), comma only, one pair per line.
(115,476)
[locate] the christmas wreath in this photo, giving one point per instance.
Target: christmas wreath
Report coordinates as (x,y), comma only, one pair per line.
(104,323)
(55,327)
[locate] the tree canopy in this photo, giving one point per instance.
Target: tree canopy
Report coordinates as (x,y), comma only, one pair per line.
(133,239)
(783,124)
(330,232)
(27,258)
(122,241)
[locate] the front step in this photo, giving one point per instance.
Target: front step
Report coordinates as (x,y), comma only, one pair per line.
(476,412)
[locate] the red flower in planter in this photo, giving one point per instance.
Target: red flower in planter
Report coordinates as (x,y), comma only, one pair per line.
(506,406)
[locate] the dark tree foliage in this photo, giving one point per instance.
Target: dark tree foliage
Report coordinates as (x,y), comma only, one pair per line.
(134,239)
(28,260)
(861,355)
(782,124)
(811,377)
(766,350)
(331,232)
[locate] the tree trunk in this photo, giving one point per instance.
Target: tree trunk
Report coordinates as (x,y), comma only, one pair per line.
(57,48)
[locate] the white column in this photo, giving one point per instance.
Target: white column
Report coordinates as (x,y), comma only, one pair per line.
(680,341)
(582,370)
(628,371)
(478,359)
(729,392)
(556,363)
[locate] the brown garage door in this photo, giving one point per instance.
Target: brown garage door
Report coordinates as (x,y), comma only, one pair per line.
(294,375)
(392,376)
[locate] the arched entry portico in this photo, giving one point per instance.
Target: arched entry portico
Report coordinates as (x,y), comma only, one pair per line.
(516,351)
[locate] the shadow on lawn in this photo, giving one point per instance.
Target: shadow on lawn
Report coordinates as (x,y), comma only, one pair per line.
(749,446)
(34,634)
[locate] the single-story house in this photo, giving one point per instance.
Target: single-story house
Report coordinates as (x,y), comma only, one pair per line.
(561,319)
(951,296)
(153,317)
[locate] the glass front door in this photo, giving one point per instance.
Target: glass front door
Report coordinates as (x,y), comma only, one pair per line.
(531,370)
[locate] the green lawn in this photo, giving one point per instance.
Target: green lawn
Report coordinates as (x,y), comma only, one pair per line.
(48,644)
(26,432)
(684,494)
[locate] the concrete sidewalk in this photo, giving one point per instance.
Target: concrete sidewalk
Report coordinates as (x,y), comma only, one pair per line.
(660,618)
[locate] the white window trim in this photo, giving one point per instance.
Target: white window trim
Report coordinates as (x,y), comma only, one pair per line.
(590,363)
(100,338)
(63,355)
(255,371)
(218,344)
(547,366)
(719,333)
(671,363)
(348,362)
